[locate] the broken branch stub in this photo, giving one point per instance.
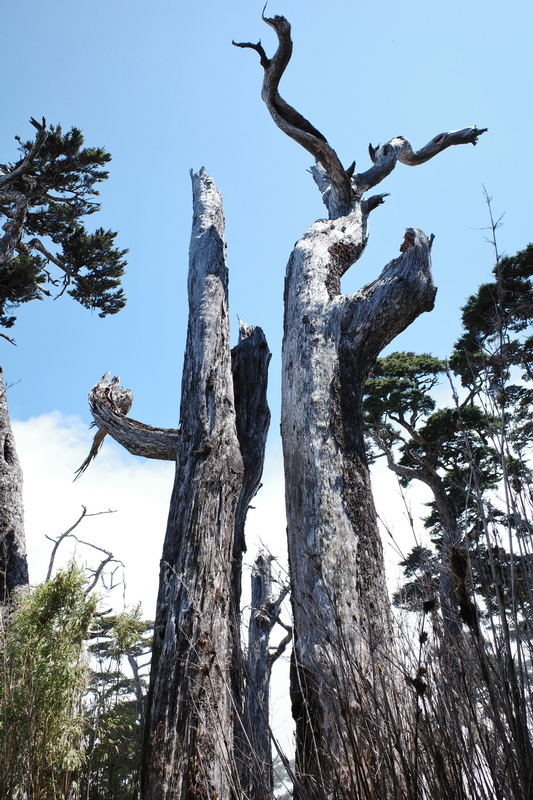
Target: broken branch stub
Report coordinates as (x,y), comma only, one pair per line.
(109,403)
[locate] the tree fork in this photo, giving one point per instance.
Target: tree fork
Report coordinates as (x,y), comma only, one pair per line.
(341,610)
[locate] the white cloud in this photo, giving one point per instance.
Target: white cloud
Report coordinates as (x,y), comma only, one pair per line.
(51,447)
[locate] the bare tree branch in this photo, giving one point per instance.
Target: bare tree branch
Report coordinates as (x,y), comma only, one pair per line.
(399,149)
(288,119)
(282,646)
(98,571)
(138,438)
(340,187)
(9,339)
(36,244)
(67,533)
(42,135)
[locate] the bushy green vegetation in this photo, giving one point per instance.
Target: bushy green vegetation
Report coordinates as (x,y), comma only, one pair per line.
(70,718)
(44,676)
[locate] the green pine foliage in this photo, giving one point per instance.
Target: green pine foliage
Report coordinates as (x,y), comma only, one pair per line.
(45,198)
(495,353)
(471,450)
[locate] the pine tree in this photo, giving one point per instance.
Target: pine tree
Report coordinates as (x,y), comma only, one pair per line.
(44,198)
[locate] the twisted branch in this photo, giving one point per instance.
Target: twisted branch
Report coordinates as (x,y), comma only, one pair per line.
(288,119)
(109,403)
(399,148)
(340,188)
(40,139)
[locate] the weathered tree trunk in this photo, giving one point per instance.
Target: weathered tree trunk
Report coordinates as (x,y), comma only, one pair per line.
(13,563)
(340,604)
(194,728)
(189,732)
(341,609)
(264,615)
(250,361)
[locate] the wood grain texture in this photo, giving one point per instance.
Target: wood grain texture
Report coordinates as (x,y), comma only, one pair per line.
(13,562)
(194,696)
(340,604)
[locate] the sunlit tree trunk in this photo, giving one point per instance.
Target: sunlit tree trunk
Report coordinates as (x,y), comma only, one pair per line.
(194,721)
(13,563)
(341,611)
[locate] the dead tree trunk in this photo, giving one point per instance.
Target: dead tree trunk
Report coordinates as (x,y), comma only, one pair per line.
(340,604)
(13,563)
(264,615)
(250,361)
(195,698)
(189,733)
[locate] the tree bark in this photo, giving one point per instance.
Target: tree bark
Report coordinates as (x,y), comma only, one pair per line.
(264,614)
(249,361)
(194,733)
(195,737)
(189,732)
(340,604)
(13,563)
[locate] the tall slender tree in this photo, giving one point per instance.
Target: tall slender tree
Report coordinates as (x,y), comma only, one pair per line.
(194,723)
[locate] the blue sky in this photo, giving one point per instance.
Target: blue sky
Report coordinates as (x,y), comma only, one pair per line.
(160,86)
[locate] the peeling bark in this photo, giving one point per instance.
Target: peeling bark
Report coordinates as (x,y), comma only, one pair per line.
(342,622)
(13,563)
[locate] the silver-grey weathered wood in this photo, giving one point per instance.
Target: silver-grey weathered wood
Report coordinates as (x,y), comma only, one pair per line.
(189,730)
(13,562)
(195,734)
(109,403)
(342,641)
(264,615)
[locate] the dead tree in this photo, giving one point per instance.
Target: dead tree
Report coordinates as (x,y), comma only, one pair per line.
(193,738)
(264,615)
(340,604)
(13,563)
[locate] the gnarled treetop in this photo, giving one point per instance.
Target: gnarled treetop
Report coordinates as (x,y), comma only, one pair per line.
(340,187)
